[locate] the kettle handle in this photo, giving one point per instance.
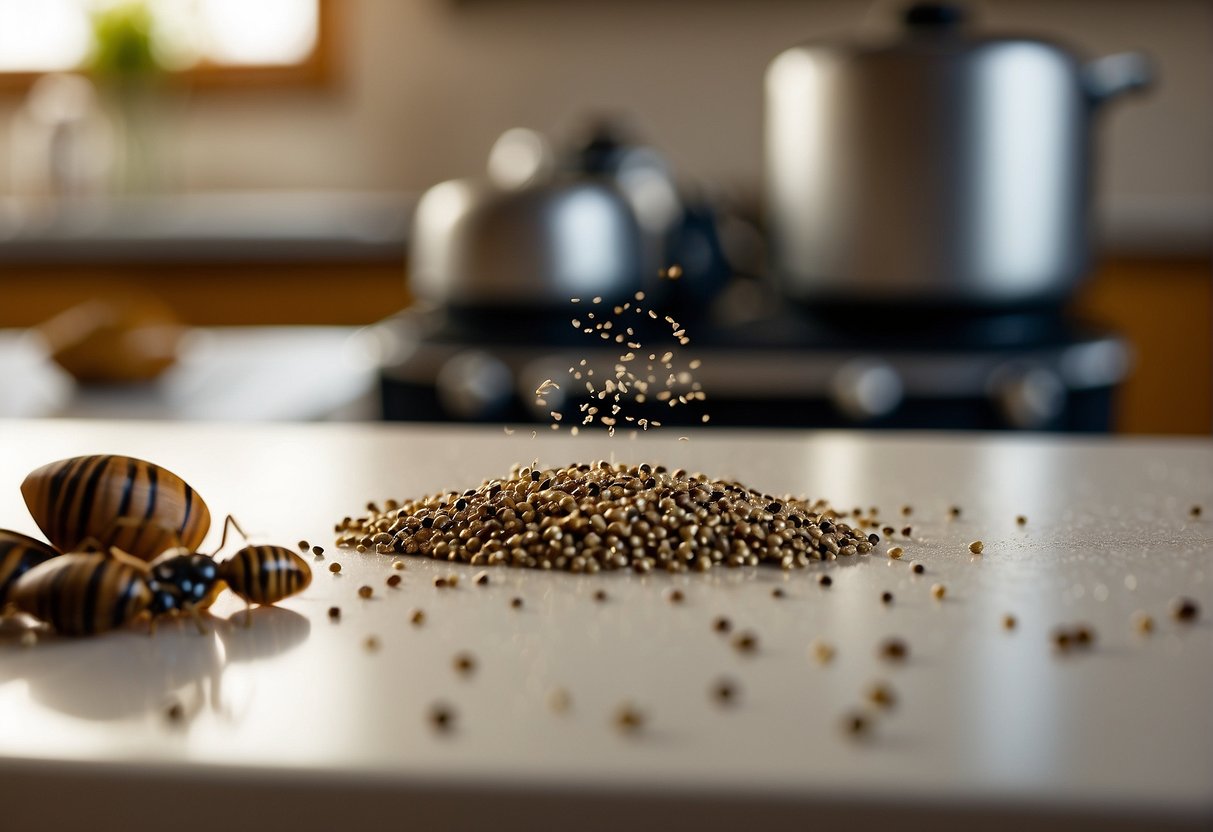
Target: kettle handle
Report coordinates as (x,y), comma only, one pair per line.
(1113,75)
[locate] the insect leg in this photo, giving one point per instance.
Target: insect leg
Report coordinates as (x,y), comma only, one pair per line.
(229,521)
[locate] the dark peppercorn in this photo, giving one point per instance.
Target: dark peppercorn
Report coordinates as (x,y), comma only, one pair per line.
(335,613)
(886,597)
(1185,609)
(824,580)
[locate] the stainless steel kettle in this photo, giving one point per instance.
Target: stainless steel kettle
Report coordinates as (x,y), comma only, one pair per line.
(939,169)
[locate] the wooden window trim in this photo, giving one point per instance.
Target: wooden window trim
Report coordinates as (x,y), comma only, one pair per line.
(315,70)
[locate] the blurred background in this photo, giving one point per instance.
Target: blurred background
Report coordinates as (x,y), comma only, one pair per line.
(997,215)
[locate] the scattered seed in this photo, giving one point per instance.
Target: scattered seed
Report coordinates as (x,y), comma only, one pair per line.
(777,592)
(895,552)
(906,511)
(464,663)
(907,531)
(398,565)
(674,596)
(1021,520)
(856,724)
(821,651)
(334,567)
(600,595)
(371,644)
(629,719)
(1062,640)
(1185,610)
(176,712)
(318,551)
(1194,511)
(335,613)
(977,547)
(442,717)
(365,592)
(417,617)
(1009,622)
(1143,622)
(954,512)
(824,580)
(881,695)
(559,700)
(745,642)
(516,603)
(886,597)
(1084,636)
(938,591)
(894,649)
(440,582)
(917,568)
(394,580)
(304,546)
(724,691)
(721,624)
(481,579)
(452,581)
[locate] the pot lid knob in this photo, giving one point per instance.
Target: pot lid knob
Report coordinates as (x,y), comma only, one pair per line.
(933,17)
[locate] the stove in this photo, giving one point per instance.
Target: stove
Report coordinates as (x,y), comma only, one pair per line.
(844,368)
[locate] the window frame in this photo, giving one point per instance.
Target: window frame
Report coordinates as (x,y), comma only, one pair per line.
(314,70)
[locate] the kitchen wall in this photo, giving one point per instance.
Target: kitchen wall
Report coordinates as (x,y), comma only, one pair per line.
(422,88)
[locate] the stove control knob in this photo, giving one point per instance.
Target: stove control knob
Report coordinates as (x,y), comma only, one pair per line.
(474,386)
(865,389)
(1029,398)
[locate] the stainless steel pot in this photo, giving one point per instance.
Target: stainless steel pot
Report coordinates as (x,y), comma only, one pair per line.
(938,169)
(526,237)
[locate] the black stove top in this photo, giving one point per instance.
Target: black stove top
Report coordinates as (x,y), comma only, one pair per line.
(1034,369)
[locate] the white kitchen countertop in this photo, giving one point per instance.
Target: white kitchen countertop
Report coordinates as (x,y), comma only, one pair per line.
(292,722)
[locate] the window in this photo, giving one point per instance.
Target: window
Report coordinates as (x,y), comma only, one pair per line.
(203,40)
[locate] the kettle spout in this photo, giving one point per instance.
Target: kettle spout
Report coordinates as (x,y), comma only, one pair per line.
(1111,76)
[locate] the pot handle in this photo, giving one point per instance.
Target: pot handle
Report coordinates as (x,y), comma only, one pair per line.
(1111,76)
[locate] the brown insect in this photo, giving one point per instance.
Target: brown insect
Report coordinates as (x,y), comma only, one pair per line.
(116,501)
(85,593)
(18,554)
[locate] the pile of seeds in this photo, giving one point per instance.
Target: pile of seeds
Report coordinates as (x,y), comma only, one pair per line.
(605,516)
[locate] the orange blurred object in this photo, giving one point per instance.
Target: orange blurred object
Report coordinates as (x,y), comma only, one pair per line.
(118,340)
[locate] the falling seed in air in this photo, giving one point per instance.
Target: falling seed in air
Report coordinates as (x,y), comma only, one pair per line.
(674,596)
(722,624)
(371,644)
(417,617)
(1009,622)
